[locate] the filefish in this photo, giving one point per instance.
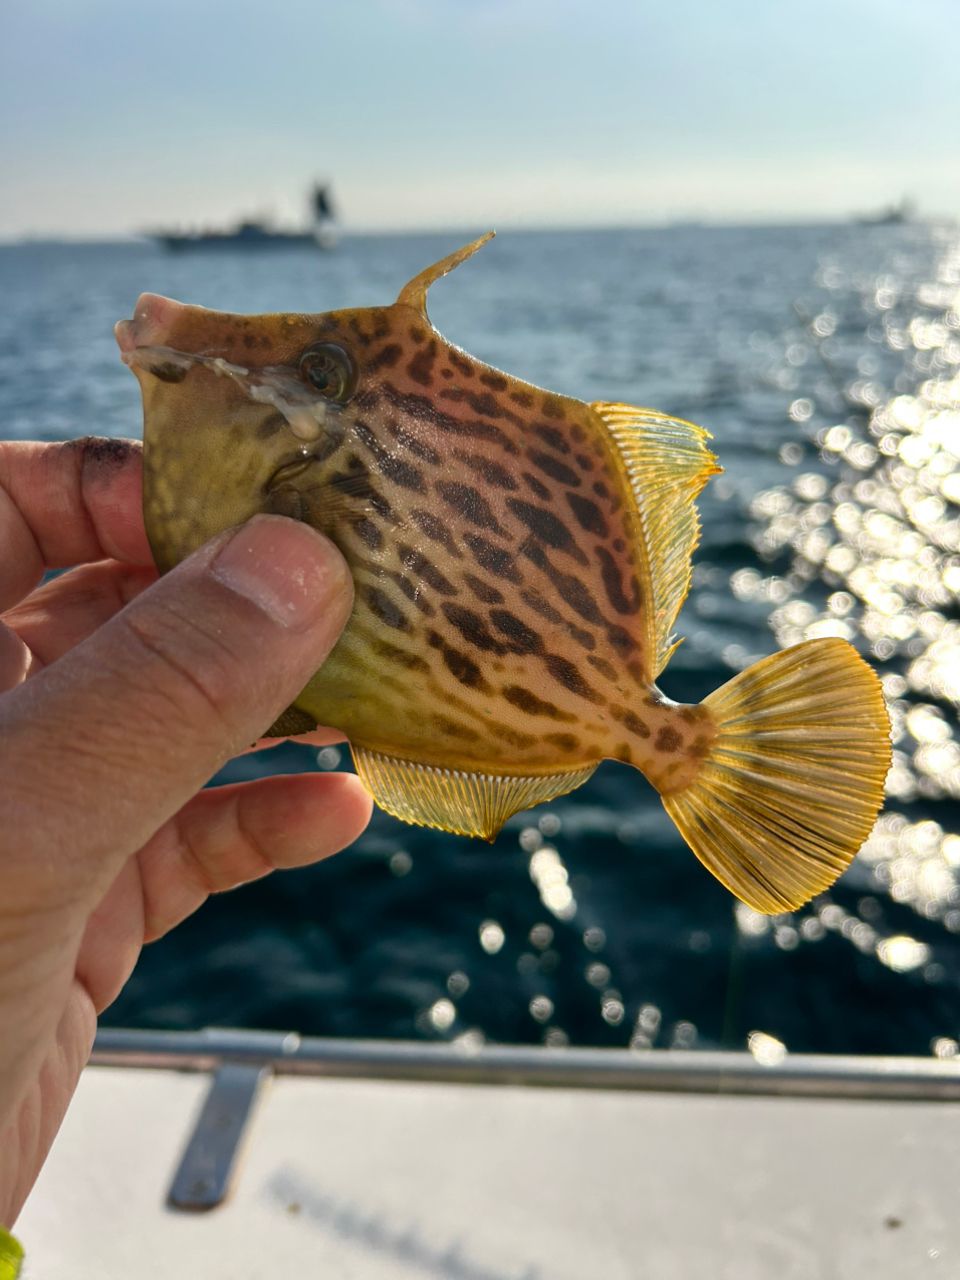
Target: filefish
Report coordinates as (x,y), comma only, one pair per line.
(519,559)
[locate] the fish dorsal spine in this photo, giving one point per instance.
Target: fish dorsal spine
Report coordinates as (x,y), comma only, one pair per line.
(414,293)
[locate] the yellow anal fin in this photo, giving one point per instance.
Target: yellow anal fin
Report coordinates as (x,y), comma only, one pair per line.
(667,463)
(466,804)
(793,780)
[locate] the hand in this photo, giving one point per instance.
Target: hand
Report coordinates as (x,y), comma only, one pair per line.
(120,695)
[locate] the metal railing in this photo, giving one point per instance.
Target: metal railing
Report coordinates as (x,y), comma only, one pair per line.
(665,1070)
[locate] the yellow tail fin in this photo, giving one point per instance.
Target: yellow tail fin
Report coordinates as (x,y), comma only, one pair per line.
(794,779)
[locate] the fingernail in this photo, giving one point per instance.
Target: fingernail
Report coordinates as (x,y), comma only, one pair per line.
(286,569)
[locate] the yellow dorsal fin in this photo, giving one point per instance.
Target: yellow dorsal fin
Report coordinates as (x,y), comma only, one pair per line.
(667,463)
(414,294)
(468,804)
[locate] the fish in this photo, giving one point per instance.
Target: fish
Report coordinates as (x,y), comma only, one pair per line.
(519,558)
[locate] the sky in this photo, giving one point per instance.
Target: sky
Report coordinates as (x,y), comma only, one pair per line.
(116,116)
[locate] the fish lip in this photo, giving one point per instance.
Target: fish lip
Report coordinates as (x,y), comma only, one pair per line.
(123,332)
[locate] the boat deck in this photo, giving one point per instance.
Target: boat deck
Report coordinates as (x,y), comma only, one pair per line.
(381,1161)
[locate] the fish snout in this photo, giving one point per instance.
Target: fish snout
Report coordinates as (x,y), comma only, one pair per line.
(154,319)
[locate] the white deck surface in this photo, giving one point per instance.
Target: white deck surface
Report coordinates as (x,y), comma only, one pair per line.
(395,1181)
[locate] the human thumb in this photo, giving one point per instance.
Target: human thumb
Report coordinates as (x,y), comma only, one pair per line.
(102,747)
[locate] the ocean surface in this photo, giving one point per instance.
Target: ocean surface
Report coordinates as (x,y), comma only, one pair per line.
(825,362)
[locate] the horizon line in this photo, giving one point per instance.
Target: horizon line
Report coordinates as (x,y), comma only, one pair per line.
(678,223)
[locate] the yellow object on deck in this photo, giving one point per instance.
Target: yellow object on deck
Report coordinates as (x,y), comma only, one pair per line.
(11,1256)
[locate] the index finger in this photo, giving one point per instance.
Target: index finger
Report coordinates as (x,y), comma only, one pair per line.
(68,504)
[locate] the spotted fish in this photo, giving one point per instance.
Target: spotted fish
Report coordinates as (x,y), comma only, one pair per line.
(519,559)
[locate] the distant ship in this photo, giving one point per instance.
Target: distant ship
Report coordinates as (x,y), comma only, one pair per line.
(256,235)
(894,215)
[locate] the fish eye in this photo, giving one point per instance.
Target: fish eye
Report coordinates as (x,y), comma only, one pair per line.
(330,370)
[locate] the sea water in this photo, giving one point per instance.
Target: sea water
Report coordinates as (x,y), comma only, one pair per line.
(824,360)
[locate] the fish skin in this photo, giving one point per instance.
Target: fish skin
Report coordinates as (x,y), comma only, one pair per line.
(519,558)
(499,623)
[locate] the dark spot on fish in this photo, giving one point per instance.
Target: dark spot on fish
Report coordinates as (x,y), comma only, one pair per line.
(619,544)
(553,407)
(412,592)
(417,447)
(270,425)
(510,736)
(369,534)
(523,398)
(543,524)
(700,747)
(404,474)
(462,364)
(454,729)
(460,666)
(529,703)
(553,467)
(631,721)
(494,380)
(668,740)
(420,368)
(470,503)
(486,404)
(692,715)
(464,669)
(603,666)
(588,515)
(583,638)
(622,752)
(521,638)
(613,584)
(563,741)
(620,639)
(417,334)
(366,399)
(390,614)
(472,627)
(416,562)
(402,657)
(435,529)
(541,606)
(567,674)
(551,436)
(576,594)
(487,469)
(167,371)
(446,373)
(539,489)
(578,432)
(584,463)
(359,332)
(482,590)
(418,406)
(600,489)
(492,558)
(384,359)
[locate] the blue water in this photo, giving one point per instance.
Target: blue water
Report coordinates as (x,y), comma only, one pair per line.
(825,362)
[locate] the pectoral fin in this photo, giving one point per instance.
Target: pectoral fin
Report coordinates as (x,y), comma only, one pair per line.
(466,804)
